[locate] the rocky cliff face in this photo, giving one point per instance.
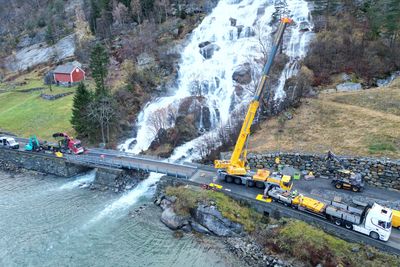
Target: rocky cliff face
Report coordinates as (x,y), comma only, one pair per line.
(40,53)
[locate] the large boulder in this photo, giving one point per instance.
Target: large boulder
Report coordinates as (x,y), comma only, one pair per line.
(172,220)
(242,74)
(348,87)
(196,106)
(208,51)
(199,228)
(212,219)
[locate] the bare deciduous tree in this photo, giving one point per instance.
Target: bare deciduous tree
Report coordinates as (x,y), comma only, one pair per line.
(120,13)
(136,7)
(102,111)
(158,120)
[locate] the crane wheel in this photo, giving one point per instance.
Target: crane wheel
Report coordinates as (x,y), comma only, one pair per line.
(238,180)
(338,185)
(250,183)
(260,185)
(229,179)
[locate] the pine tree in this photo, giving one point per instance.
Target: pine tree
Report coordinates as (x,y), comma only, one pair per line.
(94,14)
(98,64)
(49,35)
(79,119)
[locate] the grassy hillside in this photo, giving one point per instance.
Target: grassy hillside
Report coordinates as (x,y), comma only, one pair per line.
(26,113)
(353,123)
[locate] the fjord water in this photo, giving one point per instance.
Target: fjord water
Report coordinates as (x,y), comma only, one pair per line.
(43,222)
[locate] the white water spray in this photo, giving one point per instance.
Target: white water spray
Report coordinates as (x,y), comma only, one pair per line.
(129,198)
(81,181)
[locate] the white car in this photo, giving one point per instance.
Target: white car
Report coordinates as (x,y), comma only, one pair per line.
(8,142)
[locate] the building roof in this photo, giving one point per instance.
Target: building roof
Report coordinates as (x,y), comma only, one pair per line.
(67,68)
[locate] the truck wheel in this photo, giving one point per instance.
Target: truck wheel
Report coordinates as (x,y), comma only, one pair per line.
(338,185)
(338,222)
(238,180)
(348,225)
(229,179)
(374,235)
(250,183)
(355,188)
(260,185)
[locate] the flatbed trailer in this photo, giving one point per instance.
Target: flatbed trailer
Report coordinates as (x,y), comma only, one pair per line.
(374,220)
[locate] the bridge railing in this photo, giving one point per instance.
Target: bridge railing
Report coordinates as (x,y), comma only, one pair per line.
(110,162)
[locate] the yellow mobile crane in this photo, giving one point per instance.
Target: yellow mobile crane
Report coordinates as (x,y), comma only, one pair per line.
(236,169)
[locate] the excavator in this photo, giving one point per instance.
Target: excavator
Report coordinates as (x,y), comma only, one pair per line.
(345,178)
(236,169)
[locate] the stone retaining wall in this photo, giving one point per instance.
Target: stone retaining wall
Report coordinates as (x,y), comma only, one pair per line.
(117,180)
(382,173)
(13,159)
(55,97)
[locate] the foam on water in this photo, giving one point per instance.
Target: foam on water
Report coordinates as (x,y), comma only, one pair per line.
(82,180)
(128,199)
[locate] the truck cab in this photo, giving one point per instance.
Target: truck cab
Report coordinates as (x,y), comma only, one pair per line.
(377,222)
(8,142)
(75,146)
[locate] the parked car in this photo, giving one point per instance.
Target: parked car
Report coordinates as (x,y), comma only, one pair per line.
(8,142)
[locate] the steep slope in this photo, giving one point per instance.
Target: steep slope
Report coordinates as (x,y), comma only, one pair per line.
(358,123)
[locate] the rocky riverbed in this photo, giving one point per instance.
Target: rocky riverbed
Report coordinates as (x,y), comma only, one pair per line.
(206,219)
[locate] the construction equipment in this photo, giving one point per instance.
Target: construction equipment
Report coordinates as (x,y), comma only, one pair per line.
(8,142)
(33,144)
(68,144)
(345,178)
(373,220)
(396,219)
(236,169)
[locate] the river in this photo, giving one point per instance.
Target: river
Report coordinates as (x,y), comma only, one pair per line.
(51,221)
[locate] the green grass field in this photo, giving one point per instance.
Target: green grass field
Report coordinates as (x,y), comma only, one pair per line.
(26,113)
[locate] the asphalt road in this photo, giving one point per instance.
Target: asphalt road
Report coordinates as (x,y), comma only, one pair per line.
(309,188)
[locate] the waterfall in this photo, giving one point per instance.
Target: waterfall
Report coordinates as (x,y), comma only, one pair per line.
(225,40)
(300,37)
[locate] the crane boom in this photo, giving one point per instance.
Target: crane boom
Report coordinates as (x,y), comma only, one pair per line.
(237,164)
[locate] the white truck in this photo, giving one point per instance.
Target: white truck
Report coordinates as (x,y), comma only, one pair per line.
(8,142)
(375,220)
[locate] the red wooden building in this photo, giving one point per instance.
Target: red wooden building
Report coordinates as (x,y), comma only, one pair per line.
(68,74)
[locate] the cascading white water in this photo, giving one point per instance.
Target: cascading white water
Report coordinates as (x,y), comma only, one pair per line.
(300,38)
(82,180)
(127,199)
(233,44)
